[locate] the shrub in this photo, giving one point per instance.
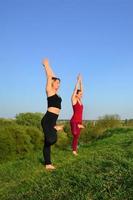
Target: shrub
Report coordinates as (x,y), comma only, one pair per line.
(67,130)
(128,122)
(14,141)
(109,121)
(7,145)
(29,119)
(17,140)
(36,137)
(63,140)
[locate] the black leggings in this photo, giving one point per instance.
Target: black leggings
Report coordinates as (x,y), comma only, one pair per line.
(50,134)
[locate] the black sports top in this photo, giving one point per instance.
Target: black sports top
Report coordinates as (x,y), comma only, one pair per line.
(54,101)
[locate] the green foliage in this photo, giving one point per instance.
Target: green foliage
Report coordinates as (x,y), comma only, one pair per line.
(128,122)
(17,140)
(63,140)
(13,141)
(109,121)
(103,170)
(29,119)
(67,130)
(23,135)
(7,145)
(36,137)
(97,129)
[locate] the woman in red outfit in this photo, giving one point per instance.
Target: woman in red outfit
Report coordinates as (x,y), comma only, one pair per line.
(76,120)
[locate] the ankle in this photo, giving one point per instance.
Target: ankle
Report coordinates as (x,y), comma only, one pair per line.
(75,153)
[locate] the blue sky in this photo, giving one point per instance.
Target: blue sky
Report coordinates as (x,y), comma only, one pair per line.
(93,37)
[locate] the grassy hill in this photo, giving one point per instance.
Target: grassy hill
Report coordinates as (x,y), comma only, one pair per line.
(102,170)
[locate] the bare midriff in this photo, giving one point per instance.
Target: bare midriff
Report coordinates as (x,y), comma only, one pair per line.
(54,110)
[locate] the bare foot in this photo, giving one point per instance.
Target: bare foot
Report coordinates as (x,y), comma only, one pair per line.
(81,126)
(50,167)
(75,153)
(59,127)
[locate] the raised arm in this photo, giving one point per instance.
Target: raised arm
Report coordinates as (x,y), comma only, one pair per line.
(49,74)
(48,69)
(81,84)
(76,88)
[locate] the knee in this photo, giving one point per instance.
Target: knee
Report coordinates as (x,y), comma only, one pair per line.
(74,129)
(51,140)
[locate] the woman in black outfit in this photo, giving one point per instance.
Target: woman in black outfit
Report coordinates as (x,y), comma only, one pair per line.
(48,122)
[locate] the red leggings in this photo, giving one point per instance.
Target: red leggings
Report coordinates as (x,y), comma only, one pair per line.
(75,132)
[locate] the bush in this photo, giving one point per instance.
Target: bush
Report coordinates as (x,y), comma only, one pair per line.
(63,140)
(23,135)
(67,130)
(104,123)
(128,122)
(29,119)
(109,121)
(36,137)
(5,122)
(14,141)
(85,135)
(17,140)
(97,129)
(7,145)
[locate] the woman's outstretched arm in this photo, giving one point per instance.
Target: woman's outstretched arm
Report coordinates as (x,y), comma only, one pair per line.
(81,84)
(76,87)
(48,69)
(49,73)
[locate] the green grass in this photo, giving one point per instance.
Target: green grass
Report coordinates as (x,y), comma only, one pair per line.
(103,170)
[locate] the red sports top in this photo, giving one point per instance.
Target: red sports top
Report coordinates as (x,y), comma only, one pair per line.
(77,113)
